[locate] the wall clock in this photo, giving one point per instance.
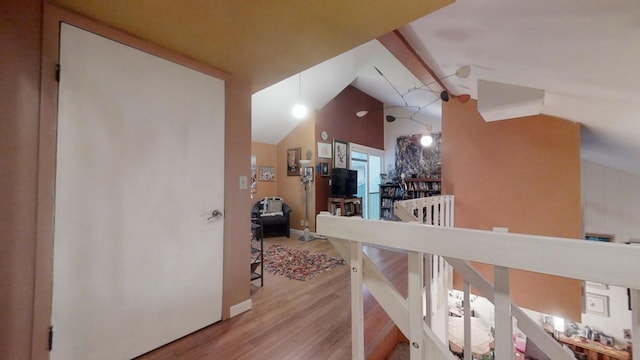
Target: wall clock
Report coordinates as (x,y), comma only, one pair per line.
(324,136)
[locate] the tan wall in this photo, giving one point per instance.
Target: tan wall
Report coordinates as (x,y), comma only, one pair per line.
(20,36)
(266,155)
(237,202)
(289,187)
(523,174)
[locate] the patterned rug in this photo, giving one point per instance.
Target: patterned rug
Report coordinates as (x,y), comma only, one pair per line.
(297,264)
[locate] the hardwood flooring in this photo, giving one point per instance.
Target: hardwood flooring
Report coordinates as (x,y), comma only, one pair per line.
(293,319)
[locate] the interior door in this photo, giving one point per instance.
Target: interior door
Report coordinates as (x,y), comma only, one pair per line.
(140,169)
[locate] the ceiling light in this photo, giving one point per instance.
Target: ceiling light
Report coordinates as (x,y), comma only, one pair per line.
(426,139)
(299,111)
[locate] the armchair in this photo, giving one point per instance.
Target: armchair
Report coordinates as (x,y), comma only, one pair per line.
(274,214)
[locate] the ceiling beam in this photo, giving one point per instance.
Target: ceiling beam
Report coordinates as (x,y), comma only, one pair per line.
(399,47)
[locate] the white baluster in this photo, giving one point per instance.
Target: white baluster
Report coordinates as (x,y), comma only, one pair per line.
(416,280)
(503,324)
(357,304)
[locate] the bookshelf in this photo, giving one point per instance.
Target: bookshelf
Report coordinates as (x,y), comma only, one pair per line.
(416,188)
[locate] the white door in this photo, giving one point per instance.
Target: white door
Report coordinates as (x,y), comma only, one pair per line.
(140,167)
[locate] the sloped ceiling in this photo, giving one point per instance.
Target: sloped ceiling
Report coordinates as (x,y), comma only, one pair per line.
(261,41)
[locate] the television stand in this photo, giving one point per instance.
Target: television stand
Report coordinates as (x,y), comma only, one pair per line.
(345,206)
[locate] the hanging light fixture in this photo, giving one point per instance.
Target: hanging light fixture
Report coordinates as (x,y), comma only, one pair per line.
(299,110)
(462,73)
(426,140)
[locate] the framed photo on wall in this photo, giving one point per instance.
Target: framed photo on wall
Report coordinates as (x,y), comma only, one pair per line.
(293,161)
(324,169)
(324,150)
(340,154)
(267,173)
(597,304)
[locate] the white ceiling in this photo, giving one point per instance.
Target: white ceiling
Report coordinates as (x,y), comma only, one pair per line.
(582,53)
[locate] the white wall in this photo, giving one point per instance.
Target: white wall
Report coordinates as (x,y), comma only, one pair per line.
(610,205)
(404,127)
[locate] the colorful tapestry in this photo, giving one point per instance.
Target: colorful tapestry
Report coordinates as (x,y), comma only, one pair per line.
(416,161)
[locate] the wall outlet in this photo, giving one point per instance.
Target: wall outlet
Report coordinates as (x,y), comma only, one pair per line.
(301,222)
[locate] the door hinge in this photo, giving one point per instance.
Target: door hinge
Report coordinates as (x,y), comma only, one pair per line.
(50,338)
(58,72)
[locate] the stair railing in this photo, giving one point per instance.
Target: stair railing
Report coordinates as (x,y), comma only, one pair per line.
(617,265)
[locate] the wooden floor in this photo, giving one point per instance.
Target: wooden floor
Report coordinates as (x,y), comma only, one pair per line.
(293,319)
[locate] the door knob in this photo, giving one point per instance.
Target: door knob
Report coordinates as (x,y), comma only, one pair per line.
(215,214)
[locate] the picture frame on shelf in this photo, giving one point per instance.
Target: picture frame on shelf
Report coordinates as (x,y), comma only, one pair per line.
(596,304)
(293,161)
(267,173)
(340,154)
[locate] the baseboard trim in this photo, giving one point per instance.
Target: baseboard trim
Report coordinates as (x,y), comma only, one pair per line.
(296,233)
(239,308)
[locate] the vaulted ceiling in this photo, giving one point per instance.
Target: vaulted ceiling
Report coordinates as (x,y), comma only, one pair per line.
(582,53)
(262,41)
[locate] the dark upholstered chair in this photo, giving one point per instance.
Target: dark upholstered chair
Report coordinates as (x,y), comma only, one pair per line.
(274,214)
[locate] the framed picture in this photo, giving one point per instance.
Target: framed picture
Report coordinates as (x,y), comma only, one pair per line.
(267,173)
(253,174)
(597,304)
(308,171)
(293,161)
(324,150)
(340,154)
(324,169)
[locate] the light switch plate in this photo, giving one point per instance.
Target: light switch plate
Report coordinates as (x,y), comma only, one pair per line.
(243,182)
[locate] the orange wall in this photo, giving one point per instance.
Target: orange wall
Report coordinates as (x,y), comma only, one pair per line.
(289,187)
(523,174)
(20,103)
(266,155)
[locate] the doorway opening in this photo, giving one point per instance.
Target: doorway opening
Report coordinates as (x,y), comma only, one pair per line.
(368,163)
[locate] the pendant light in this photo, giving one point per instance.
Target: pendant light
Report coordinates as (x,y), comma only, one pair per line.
(299,110)
(426,140)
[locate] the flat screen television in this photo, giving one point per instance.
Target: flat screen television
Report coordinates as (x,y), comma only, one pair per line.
(344,182)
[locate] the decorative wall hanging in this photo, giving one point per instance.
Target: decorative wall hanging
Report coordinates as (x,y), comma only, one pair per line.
(324,150)
(293,161)
(267,173)
(414,160)
(340,154)
(253,174)
(324,169)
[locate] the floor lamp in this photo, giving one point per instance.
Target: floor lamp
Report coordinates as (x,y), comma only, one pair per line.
(306,178)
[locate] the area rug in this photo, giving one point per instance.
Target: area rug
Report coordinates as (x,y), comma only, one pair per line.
(297,264)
